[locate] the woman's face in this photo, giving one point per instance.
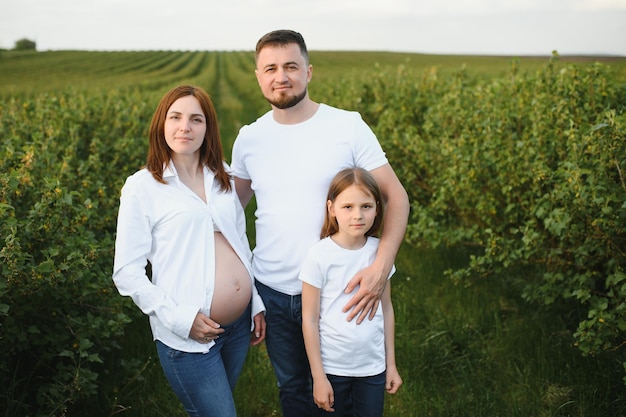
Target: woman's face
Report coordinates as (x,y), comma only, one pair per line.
(185,126)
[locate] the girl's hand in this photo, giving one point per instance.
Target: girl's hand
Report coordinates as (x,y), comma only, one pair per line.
(393,381)
(323,395)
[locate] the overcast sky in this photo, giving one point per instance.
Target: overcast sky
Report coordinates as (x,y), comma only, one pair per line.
(500,27)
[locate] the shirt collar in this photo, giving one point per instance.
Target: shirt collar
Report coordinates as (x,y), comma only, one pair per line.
(169,170)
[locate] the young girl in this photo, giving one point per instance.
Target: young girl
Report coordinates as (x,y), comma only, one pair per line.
(351,364)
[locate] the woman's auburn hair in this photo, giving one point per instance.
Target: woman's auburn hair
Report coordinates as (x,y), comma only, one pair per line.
(211,152)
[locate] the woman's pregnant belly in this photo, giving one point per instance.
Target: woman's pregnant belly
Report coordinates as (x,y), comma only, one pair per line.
(233,288)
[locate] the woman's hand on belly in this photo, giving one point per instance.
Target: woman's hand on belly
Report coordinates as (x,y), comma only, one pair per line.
(204,329)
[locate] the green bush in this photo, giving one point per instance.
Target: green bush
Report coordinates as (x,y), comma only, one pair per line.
(60,314)
(529,169)
(25,45)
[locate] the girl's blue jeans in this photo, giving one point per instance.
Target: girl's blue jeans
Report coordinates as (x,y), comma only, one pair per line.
(357,396)
(204,382)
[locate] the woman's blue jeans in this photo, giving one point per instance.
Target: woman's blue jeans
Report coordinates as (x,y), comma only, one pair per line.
(357,396)
(204,382)
(285,347)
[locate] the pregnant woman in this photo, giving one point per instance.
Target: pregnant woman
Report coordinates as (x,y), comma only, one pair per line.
(180,216)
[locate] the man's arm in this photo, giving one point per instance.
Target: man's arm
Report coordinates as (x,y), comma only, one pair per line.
(244,190)
(372,280)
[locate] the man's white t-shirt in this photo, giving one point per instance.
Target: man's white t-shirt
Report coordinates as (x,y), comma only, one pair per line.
(291,167)
(348,349)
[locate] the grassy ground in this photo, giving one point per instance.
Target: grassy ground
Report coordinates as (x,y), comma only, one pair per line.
(472,351)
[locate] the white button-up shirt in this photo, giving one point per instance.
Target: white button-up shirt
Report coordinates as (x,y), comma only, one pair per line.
(172,228)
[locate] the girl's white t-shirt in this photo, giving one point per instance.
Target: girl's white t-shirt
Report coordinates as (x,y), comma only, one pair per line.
(348,349)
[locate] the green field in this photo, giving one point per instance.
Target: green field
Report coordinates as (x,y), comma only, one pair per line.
(510,294)
(36,72)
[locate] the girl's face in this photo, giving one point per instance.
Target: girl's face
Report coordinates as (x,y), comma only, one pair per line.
(355,211)
(185,126)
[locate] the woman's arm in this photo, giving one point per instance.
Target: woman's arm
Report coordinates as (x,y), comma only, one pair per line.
(132,246)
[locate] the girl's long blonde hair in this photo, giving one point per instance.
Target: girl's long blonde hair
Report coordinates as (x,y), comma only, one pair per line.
(362,179)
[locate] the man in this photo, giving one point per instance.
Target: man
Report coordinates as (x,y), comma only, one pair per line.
(287,159)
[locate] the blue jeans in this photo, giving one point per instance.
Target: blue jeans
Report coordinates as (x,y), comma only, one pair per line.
(357,396)
(285,347)
(204,382)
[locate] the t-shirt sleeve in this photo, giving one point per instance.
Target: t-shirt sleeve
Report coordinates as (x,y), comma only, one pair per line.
(237,164)
(369,153)
(311,272)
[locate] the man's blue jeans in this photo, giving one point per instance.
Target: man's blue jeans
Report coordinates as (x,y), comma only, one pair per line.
(285,347)
(204,382)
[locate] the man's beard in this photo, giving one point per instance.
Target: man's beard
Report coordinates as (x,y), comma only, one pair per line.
(285,102)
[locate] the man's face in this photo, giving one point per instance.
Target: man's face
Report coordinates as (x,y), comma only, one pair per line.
(283,75)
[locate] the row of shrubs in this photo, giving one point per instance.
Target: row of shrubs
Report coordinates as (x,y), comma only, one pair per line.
(528,169)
